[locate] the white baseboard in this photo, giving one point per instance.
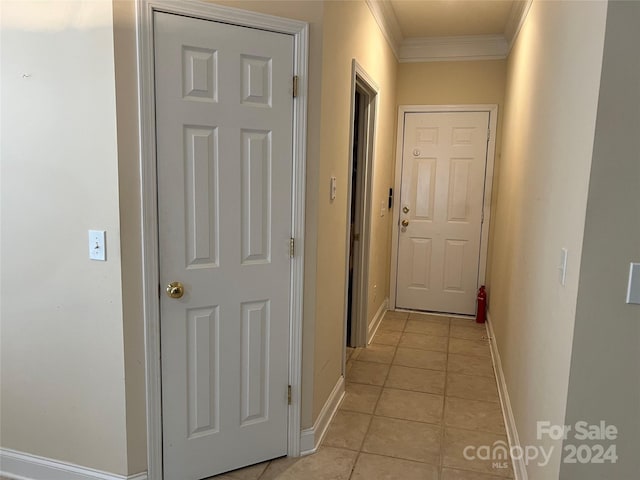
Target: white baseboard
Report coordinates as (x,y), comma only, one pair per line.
(519,467)
(24,466)
(311,438)
(372,328)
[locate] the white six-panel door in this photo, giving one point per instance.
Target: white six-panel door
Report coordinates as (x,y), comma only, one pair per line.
(224,159)
(444,157)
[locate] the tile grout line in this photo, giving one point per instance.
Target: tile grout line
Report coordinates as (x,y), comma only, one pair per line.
(444,401)
(446,363)
(395,351)
(377,401)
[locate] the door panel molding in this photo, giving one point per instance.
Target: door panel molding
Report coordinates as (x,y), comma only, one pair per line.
(492,109)
(148,183)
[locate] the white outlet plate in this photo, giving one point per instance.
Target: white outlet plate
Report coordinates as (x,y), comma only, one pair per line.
(633,289)
(97,245)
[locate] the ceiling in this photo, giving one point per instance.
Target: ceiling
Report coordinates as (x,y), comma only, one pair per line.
(441,18)
(449,30)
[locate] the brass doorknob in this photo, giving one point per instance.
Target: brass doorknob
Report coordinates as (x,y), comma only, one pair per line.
(175,290)
(405,223)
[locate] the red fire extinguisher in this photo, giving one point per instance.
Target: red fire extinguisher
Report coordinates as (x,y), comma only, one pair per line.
(481,314)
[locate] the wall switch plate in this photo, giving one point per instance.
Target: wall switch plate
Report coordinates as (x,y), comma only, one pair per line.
(332,188)
(633,289)
(97,245)
(563,266)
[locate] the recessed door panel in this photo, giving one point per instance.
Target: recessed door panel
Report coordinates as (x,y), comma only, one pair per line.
(423,187)
(458,200)
(421,254)
(255,361)
(256,80)
(203,336)
(454,265)
(427,135)
(201,196)
(199,74)
(462,136)
(256,195)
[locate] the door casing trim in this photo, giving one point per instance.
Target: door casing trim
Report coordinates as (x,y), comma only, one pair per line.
(361,79)
(492,109)
(149,208)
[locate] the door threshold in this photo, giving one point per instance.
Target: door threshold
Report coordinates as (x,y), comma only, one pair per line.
(437,314)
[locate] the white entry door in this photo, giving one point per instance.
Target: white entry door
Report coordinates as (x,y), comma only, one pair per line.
(224,120)
(444,156)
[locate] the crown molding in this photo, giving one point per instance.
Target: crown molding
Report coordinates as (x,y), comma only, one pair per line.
(440,49)
(386,19)
(517,16)
(465,47)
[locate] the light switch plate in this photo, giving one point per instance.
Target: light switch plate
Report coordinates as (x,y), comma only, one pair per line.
(97,245)
(563,266)
(633,289)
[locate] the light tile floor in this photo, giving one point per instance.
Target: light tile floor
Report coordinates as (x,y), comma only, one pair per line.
(415,398)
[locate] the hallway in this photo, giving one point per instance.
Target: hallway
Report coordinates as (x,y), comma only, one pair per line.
(415,398)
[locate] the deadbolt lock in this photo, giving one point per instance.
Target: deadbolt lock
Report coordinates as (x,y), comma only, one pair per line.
(405,209)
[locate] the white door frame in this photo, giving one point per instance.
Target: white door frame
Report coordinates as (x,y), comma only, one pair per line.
(488,183)
(148,183)
(360,77)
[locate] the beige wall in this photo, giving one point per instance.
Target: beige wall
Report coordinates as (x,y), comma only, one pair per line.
(458,83)
(349,32)
(549,124)
(604,383)
(62,355)
(450,83)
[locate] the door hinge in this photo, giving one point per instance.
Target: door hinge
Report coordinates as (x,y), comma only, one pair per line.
(295,86)
(289,395)
(159,291)
(482,219)
(488,134)
(292,247)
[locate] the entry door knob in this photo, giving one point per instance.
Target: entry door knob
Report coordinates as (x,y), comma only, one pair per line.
(405,223)
(175,290)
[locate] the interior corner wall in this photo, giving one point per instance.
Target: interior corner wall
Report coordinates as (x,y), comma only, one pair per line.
(553,79)
(349,32)
(62,359)
(604,383)
(126,87)
(458,83)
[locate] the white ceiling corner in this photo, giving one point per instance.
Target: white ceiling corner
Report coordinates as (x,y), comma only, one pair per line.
(517,16)
(447,48)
